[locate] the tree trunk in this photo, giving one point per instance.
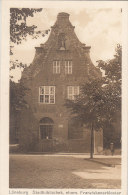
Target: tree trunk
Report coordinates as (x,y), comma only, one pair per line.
(92,142)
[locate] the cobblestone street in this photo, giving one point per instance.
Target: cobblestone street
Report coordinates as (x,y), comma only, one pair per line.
(50,171)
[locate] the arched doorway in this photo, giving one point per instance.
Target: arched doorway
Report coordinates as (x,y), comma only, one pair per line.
(46,128)
(46,134)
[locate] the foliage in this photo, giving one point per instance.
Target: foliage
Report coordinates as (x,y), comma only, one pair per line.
(16,64)
(19,29)
(17,94)
(100,98)
(112,67)
(18,26)
(96,103)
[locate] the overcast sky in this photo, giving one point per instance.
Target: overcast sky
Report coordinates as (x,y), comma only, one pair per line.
(98,28)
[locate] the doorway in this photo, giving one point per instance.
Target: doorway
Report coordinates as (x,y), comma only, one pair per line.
(46,134)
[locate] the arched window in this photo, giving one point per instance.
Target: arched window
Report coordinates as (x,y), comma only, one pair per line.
(46,128)
(46,120)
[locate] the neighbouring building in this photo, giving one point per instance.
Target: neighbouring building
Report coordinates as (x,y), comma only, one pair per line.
(59,68)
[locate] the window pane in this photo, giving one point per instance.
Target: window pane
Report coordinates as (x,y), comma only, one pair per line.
(70,97)
(70,90)
(41,90)
(66,69)
(44,134)
(46,89)
(48,95)
(52,90)
(50,135)
(46,131)
(70,69)
(58,69)
(76,90)
(51,98)
(46,98)
(41,98)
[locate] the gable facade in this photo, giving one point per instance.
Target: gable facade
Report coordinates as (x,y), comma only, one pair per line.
(59,68)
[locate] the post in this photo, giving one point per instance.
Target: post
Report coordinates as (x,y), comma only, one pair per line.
(92,142)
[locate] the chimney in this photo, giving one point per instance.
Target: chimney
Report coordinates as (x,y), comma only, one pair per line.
(62,17)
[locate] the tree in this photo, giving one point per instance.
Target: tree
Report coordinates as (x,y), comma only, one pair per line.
(19,31)
(17,93)
(100,98)
(18,26)
(112,70)
(17,103)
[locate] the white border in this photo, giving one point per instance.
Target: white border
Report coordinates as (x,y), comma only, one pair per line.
(4,133)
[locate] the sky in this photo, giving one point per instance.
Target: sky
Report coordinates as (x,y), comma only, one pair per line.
(99,28)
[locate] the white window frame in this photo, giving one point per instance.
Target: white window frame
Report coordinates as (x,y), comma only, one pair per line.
(72,93)
(47,93)
(68,66)
(56,67)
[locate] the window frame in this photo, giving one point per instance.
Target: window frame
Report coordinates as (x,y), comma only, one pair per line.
(68,67)
(46,133)
(73,91)
(56,66)
(49,94)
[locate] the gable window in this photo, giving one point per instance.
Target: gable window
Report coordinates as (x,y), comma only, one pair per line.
(68,67)
(47,94)
(72,92)
(62,41)
(56,67)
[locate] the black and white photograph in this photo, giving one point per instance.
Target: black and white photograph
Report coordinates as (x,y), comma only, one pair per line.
(65,98)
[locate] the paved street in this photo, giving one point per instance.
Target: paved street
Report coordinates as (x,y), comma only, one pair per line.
(61,171)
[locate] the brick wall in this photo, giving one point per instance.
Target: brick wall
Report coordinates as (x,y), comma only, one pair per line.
(39,73)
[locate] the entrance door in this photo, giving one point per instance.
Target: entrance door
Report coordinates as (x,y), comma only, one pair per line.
(46,133)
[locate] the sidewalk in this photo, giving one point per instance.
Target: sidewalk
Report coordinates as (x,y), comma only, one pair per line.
(86,155)
(77,155)
(107,160)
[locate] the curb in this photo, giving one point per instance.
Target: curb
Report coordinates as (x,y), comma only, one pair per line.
(102,163)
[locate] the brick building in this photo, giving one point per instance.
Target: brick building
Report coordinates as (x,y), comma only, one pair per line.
(59,68)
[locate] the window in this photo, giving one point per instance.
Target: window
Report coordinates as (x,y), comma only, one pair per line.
(46,128)
(46,131)
(62,41)
(72,92)
(56,67)
(68,67)
(47,94)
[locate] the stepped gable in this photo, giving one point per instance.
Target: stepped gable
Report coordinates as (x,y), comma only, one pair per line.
(62,29)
